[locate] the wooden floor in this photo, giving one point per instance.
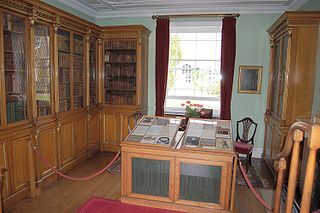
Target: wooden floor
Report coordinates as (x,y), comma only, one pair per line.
(68,196)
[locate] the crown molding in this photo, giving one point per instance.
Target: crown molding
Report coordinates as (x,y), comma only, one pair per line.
(243,7)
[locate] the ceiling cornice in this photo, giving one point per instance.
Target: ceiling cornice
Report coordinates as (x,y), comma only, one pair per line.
(244,7)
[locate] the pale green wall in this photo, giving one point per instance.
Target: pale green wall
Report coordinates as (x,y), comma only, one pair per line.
(69,10)
(252,49)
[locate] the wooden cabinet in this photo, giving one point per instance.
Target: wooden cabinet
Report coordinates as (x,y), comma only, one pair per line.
(66,141)
(4,167)
(294,46)
(190,180)
(80,143)
(19,156)
(125,77)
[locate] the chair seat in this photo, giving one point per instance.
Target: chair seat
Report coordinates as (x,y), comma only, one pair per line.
(243,148)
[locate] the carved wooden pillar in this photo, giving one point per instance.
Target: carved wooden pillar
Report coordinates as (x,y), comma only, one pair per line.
(34,190)
(281,165)
(297,138)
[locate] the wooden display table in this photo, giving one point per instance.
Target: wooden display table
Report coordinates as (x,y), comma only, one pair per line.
(192,179)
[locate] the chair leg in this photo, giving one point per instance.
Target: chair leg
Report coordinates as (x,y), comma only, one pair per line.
(247,163)
(250,157)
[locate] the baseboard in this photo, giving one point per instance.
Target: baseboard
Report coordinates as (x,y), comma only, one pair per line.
(257,153)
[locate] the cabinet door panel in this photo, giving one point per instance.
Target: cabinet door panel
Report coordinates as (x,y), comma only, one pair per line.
(48,149)
(110,128)
(79,137)
(268,140)
(67,143)
(93,130)
(20,174)
(124,126)
(4,165)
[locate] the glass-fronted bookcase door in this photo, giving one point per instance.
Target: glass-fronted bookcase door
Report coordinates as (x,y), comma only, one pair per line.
(43,68)
(15,67)
(78,71)
(93,74)
(120,71)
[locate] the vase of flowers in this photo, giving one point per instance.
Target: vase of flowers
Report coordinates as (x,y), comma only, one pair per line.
(192,110)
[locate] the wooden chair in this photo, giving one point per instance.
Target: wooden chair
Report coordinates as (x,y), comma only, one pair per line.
(243,144)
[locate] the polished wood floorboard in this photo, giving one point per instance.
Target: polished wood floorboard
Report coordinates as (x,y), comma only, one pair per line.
(68,196)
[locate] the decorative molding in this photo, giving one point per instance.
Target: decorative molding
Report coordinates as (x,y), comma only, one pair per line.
(18,6)
(72,25)
(120,35)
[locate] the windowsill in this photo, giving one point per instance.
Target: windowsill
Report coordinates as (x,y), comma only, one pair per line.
(173,114)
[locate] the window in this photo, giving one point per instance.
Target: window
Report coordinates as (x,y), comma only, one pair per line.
(194,66)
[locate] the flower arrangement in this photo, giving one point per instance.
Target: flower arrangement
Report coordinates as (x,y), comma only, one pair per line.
(192,110)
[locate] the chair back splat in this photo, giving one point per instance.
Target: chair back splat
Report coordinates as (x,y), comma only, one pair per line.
(246,125)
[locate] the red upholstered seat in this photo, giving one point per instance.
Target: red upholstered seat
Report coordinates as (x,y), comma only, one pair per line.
(243,148)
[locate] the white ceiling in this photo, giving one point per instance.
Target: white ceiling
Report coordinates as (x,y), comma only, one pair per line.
(129,8)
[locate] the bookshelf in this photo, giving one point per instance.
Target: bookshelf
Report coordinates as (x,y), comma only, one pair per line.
(93,72)
(120,71)
(64,55)
(15,72)
(78,70)
(42,69)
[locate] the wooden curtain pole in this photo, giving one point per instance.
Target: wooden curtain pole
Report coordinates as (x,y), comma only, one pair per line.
(196,15)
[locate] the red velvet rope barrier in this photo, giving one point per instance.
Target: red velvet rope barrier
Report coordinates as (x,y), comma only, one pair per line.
(252,189)
(47,164)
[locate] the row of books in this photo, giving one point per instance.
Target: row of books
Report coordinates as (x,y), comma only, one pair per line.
(111,57)
(63,42)
(78,46)
(16,111)
(120,100)
(13,61)
(125,85)
(78,61)
(13,42)
(64,105)
(64,60)
(64,91)
(121,71)
(78,90)
(121,44)
(64,75)
(78,102)
(15,82)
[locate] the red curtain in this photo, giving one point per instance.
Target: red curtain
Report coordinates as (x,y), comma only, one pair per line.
(162,60)
(228,53)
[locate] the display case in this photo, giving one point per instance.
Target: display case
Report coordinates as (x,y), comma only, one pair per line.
(160,169)
(294,46)
(15,69)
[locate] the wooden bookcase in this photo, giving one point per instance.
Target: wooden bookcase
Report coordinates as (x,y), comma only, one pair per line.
(294,45)
(125,80)
(53,93)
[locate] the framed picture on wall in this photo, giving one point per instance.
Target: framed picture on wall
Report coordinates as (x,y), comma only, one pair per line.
(249,79)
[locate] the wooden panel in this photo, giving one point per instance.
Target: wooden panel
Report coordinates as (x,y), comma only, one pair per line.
(110,128)
(93,130)
(19,165)
(4,165)
(124,126)
(79,137)
(66,138)
(48,149)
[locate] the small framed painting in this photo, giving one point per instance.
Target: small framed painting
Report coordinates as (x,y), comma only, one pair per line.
(249,79)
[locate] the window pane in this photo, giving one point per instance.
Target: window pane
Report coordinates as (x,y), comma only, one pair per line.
(194,71)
